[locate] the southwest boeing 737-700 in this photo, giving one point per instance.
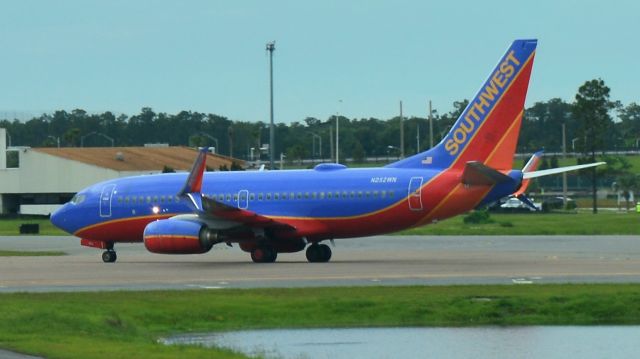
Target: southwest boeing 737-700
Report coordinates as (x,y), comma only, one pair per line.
(271,212)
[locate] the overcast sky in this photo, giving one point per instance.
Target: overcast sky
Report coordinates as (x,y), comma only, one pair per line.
(209,56)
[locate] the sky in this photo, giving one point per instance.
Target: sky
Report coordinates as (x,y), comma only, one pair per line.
(357,58)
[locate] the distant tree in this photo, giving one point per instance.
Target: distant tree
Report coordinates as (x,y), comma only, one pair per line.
(72,137)
(630,123)
(358,153)
(591,109)
(236,167)
(168,169)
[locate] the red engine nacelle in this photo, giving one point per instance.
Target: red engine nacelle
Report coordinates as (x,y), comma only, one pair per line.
(175,236)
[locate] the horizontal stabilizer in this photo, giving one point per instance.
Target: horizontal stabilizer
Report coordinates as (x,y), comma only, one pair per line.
(553,171)
(477,174)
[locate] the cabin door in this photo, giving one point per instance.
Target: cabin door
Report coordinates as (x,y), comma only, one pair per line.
(105,200)
(243,199)
(414,194)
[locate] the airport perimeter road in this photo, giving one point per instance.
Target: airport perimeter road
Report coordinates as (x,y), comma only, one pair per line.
(383,260)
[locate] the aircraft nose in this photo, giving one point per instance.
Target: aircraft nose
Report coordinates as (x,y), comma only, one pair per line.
(58,218)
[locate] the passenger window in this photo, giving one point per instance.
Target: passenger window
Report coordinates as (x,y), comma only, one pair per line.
(268,196)
(359,194)
(155,199)
(260,196)
(344,195)
(383,194)
(284,196)
(252,196)
(235,197)
(292,195)
(314,195)
(306,195)
(321,195)
(375,194)
(352,195)
(328,195)
(126,200)
(162,199)
(299,195)
(133,199)
(276,196)
(391,194)
(120,199)
(367,194)
(228,198)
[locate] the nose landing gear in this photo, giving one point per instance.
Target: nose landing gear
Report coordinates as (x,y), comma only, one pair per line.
(109,256)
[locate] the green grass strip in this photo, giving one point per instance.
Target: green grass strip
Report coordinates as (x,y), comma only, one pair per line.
(128,324)
(603,223)
(30,253)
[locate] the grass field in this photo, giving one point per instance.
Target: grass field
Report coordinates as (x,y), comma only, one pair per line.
(128,324)
(11,227)
(538,224)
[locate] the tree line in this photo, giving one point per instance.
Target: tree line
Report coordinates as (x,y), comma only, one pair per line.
(593,123)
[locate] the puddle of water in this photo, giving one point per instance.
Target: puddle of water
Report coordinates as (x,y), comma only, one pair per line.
(486,342)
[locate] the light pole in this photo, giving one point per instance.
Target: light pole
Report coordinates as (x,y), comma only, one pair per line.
(96,133)
(271,46)
(313,146)
(573,144)
(209,137)
(338,132)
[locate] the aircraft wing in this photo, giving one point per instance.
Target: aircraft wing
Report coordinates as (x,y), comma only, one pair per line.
(210,209)
(218,210)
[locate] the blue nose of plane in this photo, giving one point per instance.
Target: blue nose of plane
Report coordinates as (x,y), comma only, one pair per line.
(58,218)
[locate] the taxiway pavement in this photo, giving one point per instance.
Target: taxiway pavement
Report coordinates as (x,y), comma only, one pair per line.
(382,260)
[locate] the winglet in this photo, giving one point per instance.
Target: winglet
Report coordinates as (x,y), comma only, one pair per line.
(194,180)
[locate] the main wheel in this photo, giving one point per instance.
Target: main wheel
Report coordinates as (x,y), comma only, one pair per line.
(318,253)
(264,254)
(109,256)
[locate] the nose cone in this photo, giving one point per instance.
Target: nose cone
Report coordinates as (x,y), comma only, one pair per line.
(58,218)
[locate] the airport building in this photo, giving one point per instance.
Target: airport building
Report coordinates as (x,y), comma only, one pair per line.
(39,180)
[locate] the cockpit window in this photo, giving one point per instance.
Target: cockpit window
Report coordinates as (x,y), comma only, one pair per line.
(78,198)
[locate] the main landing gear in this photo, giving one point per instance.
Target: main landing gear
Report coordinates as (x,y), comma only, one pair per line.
(264,254)
(318,253)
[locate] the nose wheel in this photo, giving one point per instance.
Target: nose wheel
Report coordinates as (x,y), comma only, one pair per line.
(109,256)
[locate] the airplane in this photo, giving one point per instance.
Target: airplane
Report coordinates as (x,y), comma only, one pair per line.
(272,212)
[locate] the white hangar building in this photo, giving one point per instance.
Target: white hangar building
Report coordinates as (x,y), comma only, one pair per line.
(39,180)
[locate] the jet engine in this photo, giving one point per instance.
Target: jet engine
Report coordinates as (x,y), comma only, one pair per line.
(176,236)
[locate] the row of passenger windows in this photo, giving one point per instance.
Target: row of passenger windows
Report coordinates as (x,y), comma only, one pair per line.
(263,196)
(147,199)
(221,197)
